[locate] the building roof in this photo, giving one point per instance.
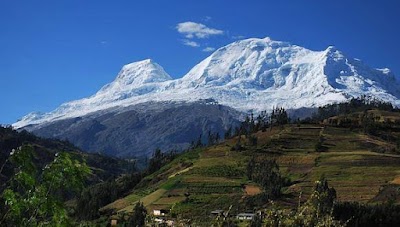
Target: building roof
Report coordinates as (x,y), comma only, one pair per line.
(246,214)
(217,211)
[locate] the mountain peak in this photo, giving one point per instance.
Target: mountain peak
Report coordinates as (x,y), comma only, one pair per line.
(132,77)
(137,63)
(141,72)
(257,43)
(250,62)
(333,53)
(251,74)
(331,48)
(267,39)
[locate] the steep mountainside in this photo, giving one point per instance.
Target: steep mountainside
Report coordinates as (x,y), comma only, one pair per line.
(140,129)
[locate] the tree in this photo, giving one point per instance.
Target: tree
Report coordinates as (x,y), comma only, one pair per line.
(159,159)
(279,116)
(228,133)
(323,197)
(156,161)
(138,217)
(266,173)
(35,197)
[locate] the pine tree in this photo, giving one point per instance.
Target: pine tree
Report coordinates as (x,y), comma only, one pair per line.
(138,217)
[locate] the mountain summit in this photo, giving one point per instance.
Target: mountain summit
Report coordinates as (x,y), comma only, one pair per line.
(251,74)
(134,79)
(140,73)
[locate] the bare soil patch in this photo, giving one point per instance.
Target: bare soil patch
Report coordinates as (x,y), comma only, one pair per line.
(252,190)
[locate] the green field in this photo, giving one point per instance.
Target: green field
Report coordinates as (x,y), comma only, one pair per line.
(213,178)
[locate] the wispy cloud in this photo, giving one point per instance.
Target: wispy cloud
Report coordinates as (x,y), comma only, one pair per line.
(208,49)
(207,18)
(191,29)
(238,37)
(190,43)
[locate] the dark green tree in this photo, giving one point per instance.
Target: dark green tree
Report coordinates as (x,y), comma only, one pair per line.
(279,116)
(138,217)
(266,173)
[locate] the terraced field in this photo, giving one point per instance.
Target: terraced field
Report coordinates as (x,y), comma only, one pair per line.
(213,178)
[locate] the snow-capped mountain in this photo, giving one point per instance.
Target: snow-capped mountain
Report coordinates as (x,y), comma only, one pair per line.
(252,74)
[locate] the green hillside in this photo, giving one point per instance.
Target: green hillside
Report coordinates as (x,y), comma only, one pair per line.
(267,167)
(361,167)
(103,167)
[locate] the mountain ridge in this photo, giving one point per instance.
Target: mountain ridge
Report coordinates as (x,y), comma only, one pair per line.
(138,130)
(248,75)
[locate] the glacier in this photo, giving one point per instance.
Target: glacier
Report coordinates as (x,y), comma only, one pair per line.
(247,75)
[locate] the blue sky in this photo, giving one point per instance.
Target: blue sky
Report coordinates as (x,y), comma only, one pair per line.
(56,51)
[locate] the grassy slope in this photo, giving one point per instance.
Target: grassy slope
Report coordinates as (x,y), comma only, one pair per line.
(103,167)
(214,177)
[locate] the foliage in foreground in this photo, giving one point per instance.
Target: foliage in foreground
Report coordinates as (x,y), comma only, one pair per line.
(359,214)
(317,211)
(35,197)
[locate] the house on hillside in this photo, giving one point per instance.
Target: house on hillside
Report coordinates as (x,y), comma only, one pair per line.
(160,212)
(159,220)
(217,213)
(164,222)
(245,216)
(114,222)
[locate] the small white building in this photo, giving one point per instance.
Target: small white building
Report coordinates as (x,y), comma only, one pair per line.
(217,212)
(159,220)
(160,212)
(245,216)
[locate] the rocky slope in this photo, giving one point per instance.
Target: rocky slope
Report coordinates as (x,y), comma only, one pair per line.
(140,129)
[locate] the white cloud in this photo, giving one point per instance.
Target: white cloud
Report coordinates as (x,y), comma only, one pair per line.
(190,43)
(208,49)
(192,29)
